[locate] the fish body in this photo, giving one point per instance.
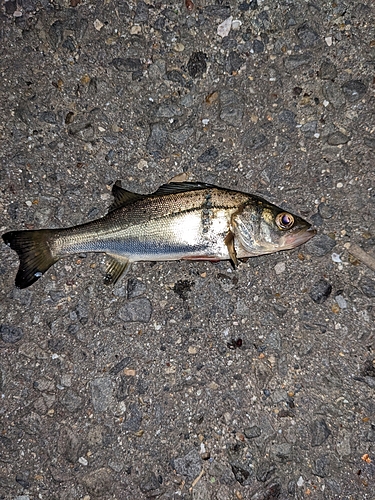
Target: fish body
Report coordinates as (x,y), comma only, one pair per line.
(192,221)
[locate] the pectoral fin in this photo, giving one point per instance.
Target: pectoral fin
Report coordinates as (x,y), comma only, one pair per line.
(116,267)
(229,241)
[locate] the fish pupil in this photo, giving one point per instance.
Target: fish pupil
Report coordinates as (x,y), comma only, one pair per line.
(285,219)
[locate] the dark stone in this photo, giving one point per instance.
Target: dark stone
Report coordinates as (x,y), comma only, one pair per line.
(69,445)
(98,483)
(242,471)
(133,422)
(13,210)
(333,94)
(296,60)
(56,33)
(48,117)
(354,90)
(136,310)
(135,288)
(307,35)
(122,391)
(252,432)
(231,107)
(181,135)
(367,286)
(337,138)
(197,64)
(141,12)
(254,140)
(176,76)
(280,310)
(327,71)
(228,43)
(282,452)
(11,334)
(265,471)
(309,128)
(56,344)
(189,465)
(326,211)
(71,401)
(149,483)
(101,393)
(233,63)
(288,117)
(320,291)
(82,312)
(322,466)
(159,23)
(258,46)
(69,44)
(320,245)
(128,64)
(209,155)
(224,165)
(317,220)
(23,480)
(182,288)
(119,366)
(157,139)
(319,432)
(10,7)
(370,142)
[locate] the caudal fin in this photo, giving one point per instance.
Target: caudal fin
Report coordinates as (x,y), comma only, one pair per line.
(34,254)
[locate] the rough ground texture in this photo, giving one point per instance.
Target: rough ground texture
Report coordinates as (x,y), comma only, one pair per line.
(145,390)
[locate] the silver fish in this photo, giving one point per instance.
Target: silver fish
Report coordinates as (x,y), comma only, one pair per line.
(190,221)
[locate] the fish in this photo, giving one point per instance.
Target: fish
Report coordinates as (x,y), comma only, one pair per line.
(179,221)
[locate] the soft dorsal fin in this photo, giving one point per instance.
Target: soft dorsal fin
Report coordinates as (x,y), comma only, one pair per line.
(123,197)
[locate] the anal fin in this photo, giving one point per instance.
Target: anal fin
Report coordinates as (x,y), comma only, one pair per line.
(115,268)
(229,241)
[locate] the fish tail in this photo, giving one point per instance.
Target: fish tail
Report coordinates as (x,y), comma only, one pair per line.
(34,252)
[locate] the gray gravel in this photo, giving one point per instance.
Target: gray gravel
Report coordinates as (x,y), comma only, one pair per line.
(189,380)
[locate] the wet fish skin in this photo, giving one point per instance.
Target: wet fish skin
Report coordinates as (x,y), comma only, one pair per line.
(192,221)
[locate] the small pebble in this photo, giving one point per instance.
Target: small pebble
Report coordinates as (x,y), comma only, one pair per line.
(280,267)
(98,25)
(178,47)
(135,30)
(341,302)
(336,257)
(236,24)
(328,40)
(83,461)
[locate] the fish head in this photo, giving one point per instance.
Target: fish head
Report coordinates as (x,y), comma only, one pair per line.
(262,228)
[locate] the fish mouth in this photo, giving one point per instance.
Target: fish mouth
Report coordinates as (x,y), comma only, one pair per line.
(299,238)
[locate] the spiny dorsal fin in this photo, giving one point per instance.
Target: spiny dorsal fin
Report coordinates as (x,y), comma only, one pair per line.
(123,197)
(181,187)
(115,268)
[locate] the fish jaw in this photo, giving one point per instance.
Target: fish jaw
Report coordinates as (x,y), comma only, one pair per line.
(293,240)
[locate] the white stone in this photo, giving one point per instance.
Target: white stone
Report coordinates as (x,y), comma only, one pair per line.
(280,267)
(224,28)
(98,25)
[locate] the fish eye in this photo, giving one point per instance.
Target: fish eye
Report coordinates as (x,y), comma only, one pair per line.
(284,220)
